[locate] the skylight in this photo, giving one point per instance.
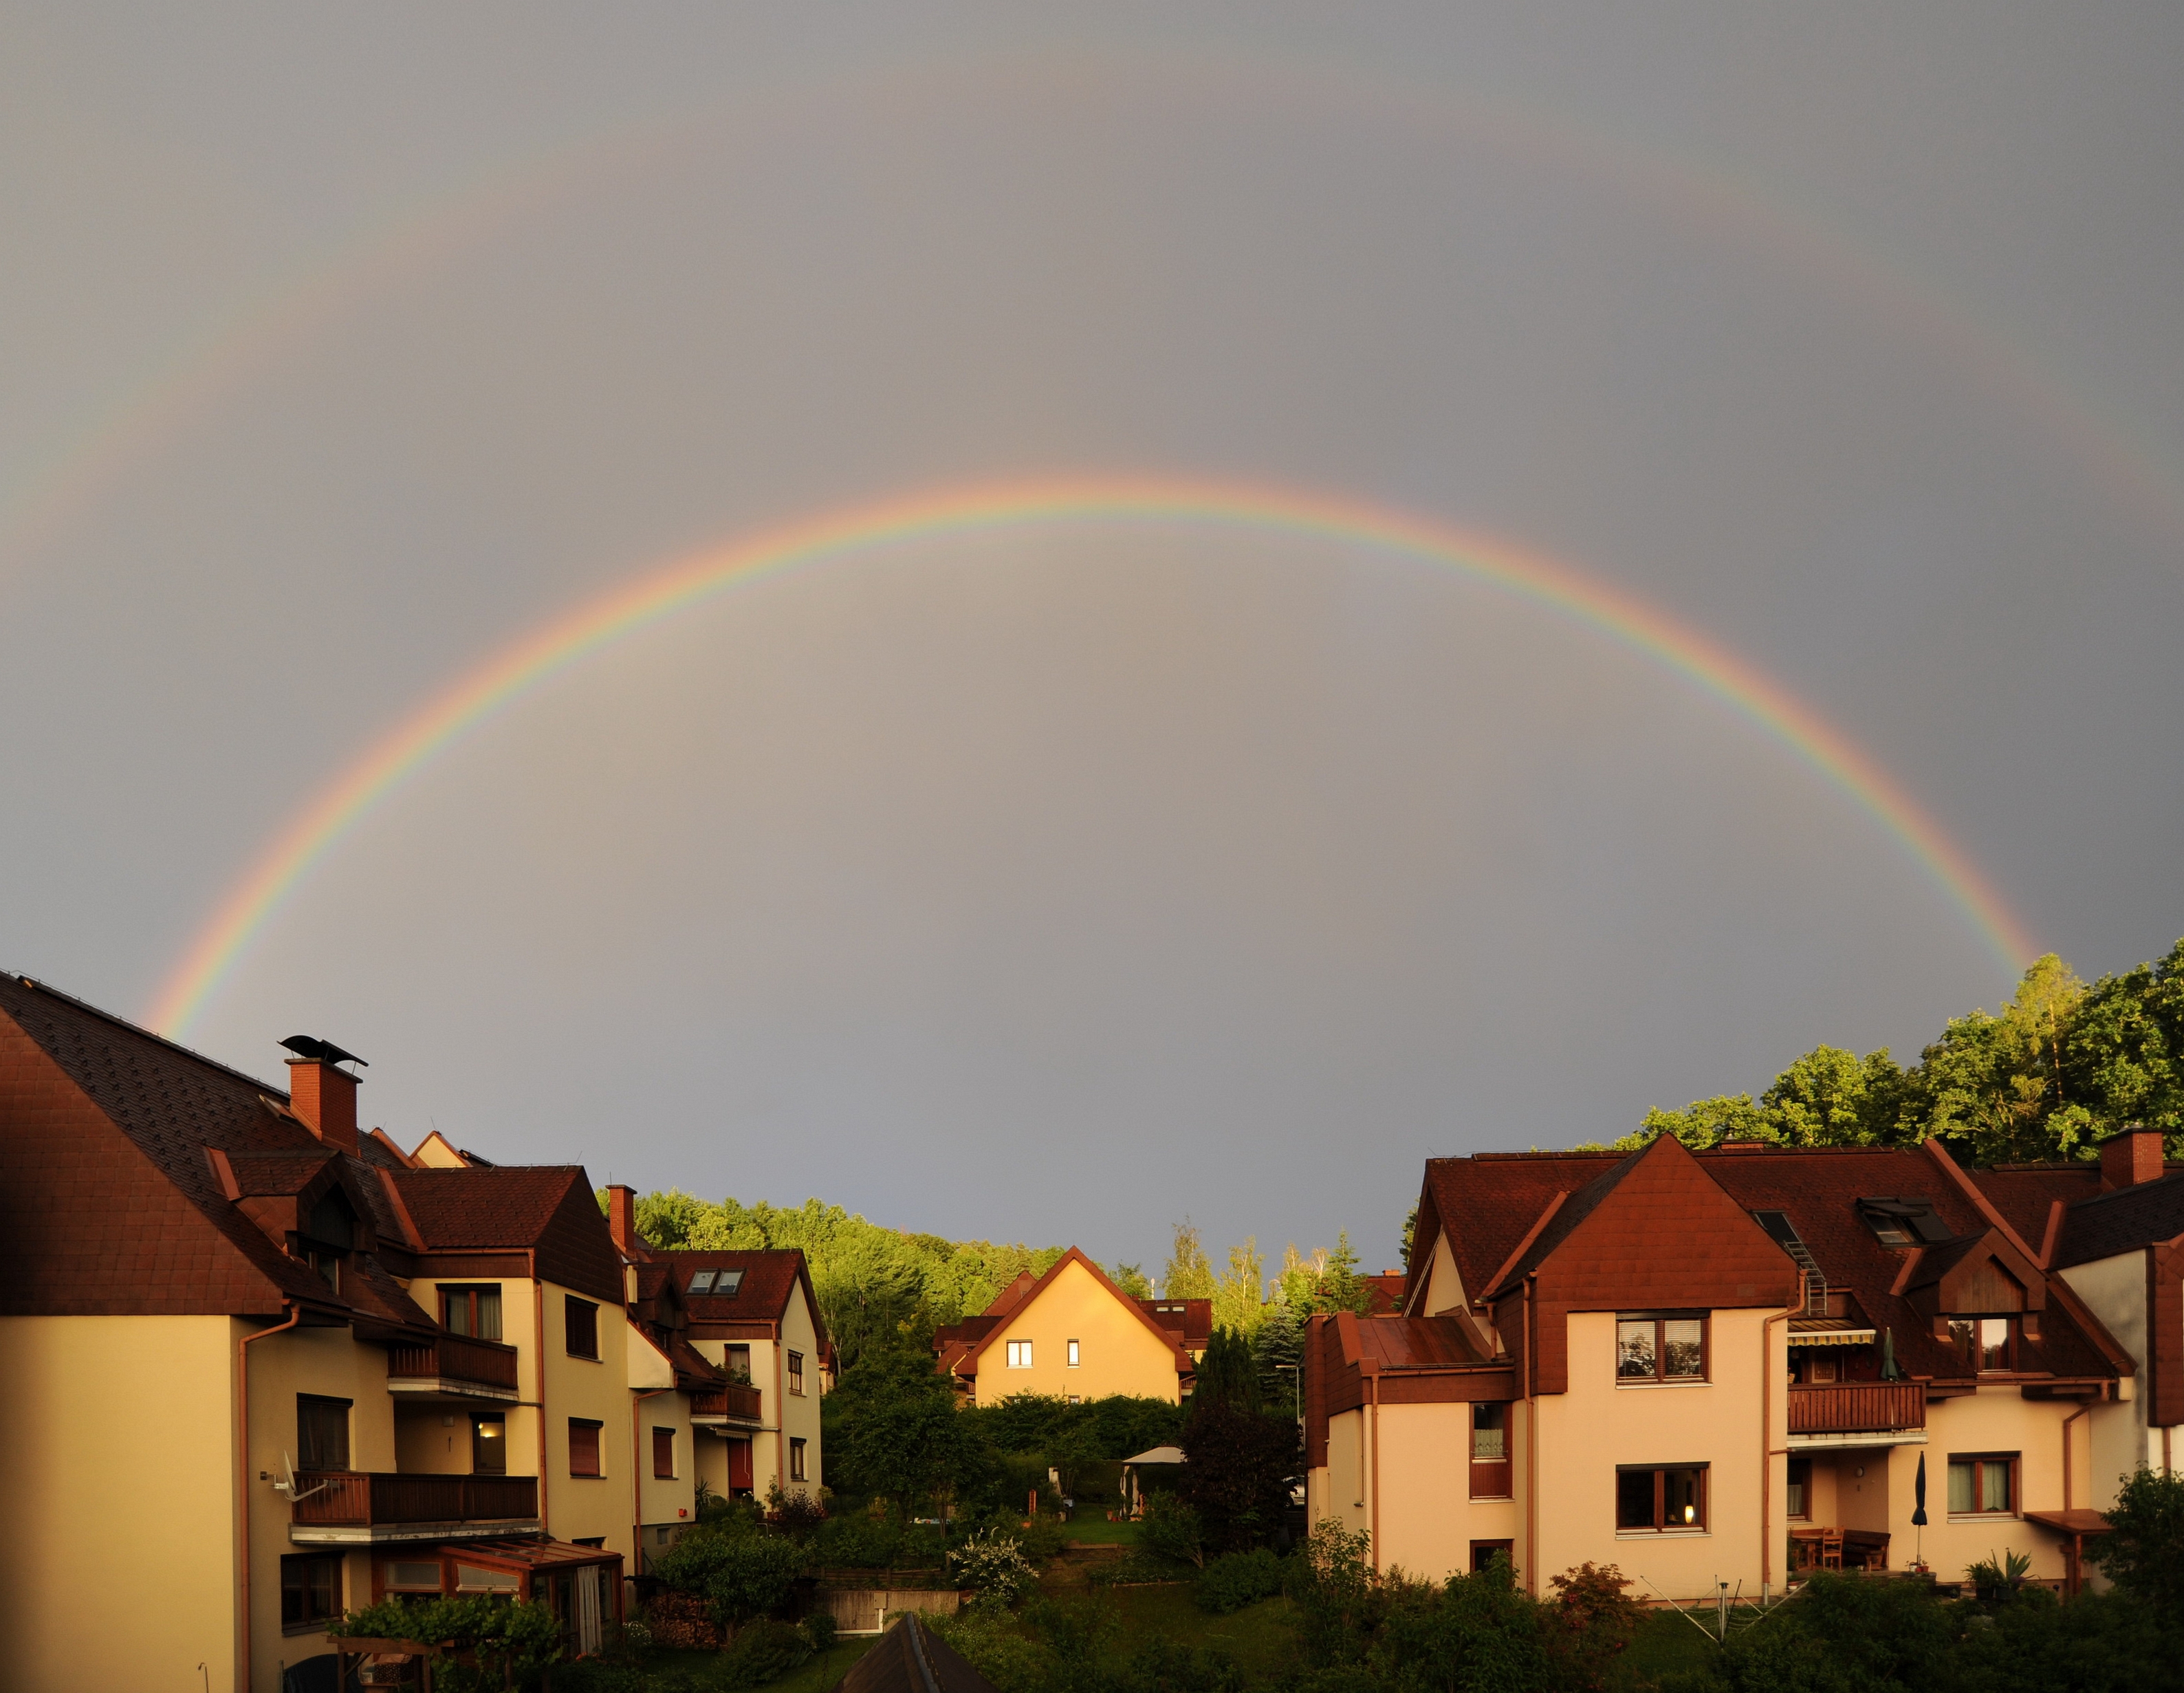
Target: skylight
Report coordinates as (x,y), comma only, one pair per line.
(1903,1222)
(719,1283)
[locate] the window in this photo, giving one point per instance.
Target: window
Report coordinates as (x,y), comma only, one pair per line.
(1983,1484)
(1073,1354)
(489,1445)
(582,1331)
(405,1575)
(717,1284)
(1985,1342)
(1489,1432)
(1484,1552)
(472,1311)
(326,1262)
(1819,1368)
(1903,1222)
(796,1374)
(1668,1500)
(1800,1501)
(1651,1347)
(322,1433)
(1019,1355)
(796,1461)
(663,1454)
(310,1590)
(583,1447)
(739,1364)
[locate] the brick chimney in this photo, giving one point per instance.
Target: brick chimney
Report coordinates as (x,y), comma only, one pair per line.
(323,1096)
(2130,1156)
(621,1220)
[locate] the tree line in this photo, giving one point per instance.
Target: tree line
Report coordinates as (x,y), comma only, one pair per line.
(2063,1064)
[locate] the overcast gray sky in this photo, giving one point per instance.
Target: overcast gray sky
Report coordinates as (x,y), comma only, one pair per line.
(1054,882)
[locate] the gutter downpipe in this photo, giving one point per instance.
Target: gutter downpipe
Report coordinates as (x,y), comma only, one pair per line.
(2077,1541)
(1375,1495)
(242,1481)
(637,1471)
(1531,1447)
(1766,1435)
(538,1302)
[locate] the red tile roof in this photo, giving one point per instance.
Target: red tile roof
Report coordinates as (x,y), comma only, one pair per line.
(1193,1324)
(762,1296)
(545,1208)
(2122,1220)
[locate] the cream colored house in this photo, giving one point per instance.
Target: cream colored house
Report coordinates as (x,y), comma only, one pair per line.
(751,1317)
(305,1368)
(1072,1335)
(1725,1366)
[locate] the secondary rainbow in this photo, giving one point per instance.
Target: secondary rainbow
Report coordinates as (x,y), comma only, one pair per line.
(566,641)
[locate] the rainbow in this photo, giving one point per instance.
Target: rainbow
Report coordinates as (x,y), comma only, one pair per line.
(557,646)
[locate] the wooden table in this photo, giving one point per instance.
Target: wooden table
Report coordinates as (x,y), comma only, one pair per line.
(1863,1548)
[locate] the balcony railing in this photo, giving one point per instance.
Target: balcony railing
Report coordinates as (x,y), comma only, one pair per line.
(1858,1408)
(735,1403)
(453,1363)
(341,1506)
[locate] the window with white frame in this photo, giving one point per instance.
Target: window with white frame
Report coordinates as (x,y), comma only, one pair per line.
(1073,1354)
(1019,1355)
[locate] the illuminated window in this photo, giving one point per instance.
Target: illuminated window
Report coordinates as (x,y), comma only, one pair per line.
(1019,1355)
(1668,1500)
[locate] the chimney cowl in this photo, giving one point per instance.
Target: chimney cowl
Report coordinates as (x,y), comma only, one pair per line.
(2130,1156)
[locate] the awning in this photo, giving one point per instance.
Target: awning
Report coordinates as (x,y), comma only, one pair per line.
(2077,1520)
(1158,1455)
(1832,1337)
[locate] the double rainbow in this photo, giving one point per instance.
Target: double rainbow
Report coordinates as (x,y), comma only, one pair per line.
(505,677)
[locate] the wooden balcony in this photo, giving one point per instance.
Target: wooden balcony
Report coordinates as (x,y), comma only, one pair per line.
(453,1366)
(735,1404)
(1847,1408)
(361,1507)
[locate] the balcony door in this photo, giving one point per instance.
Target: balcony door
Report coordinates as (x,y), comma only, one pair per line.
(489,1445)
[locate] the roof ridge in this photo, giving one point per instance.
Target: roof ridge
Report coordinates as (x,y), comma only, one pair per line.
(120,1022)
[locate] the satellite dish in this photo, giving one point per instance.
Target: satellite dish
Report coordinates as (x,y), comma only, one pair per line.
(288,1486)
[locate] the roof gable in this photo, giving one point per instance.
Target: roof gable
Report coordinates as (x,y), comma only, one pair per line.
(965,1361)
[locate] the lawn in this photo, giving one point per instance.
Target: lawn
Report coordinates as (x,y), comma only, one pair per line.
(1258,1637)
(822,1673)
(1094,1529)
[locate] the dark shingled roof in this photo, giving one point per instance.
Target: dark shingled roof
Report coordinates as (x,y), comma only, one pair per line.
(762,1296)
(2122,1220)
(911,1658)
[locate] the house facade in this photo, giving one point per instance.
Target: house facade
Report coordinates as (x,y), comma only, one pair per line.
(752,1318)
(1728,1367)
(307,1369)
(1072,1335)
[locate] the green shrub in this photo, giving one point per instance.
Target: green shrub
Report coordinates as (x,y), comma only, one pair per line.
(1239,1579)
(860,1542)
(763,1651)
(497,1642)
(1172,1529)
(993,1565)
(740,1573)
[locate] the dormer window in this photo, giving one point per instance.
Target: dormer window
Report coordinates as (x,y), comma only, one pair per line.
(1903,1222)
(327,1263)
(717,1284)
(1987,1343)
(326,1236)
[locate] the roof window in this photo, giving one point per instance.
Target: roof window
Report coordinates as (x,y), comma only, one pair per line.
(1903,1222)
(720,1283)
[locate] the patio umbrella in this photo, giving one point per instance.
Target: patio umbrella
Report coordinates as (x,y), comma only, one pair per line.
(1918,1511)
(1888,1370)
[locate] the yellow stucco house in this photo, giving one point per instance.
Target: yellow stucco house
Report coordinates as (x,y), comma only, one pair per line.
(305,1368)
(1739,1365)
(1072,1335)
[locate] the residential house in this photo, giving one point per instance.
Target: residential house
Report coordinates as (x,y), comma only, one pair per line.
(304,1368)
(752,1318)
(1714,1367)
(1071,1333)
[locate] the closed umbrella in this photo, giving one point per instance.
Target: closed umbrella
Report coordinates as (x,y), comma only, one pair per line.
(1888,1370)
(1918,1511)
